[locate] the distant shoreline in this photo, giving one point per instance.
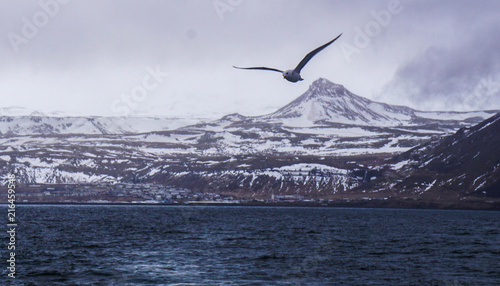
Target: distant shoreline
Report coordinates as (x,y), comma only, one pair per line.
(392,204)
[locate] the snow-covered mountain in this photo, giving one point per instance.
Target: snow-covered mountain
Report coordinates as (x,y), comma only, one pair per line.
(328,126)
(329,103)
(14,111)
(465,163)
(323,108)
(39,123)
(326,102)
(328,120)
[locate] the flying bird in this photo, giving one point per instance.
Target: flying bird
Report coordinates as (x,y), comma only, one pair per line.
(294,75)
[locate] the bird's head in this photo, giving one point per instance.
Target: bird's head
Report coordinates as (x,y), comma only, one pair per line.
(291,76)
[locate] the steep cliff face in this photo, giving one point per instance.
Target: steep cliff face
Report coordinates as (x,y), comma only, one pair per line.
(465,163)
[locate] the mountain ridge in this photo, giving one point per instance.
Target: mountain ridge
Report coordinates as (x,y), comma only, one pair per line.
(467,161)
(324,104)
(277,153)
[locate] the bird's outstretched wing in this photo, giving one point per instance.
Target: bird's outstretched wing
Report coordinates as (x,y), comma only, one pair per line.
(260,68)
(309,56)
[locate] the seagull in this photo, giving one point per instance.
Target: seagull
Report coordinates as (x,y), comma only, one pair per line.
(294,75)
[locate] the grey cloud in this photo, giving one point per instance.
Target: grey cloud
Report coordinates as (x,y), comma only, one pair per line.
(461,76)
(93,51)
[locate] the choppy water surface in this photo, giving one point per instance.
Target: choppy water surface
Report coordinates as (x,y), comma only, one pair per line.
(163,245)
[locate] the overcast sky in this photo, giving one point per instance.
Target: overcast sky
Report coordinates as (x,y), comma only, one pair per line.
(175,58)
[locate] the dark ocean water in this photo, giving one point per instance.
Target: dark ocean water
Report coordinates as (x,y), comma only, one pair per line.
(182,245)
